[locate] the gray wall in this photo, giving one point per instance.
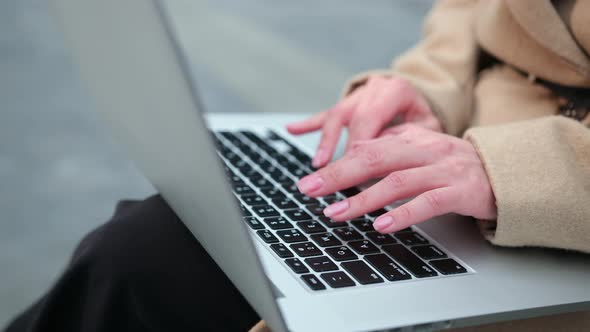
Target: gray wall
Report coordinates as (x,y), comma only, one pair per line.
(60,174)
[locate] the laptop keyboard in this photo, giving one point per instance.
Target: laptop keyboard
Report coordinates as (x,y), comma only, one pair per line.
(324,254)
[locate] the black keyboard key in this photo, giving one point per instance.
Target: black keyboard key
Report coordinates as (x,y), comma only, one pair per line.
(377,213)
(253,200)
(299,172)
(292,236)
(243,190)
(331,223)
(388,268)
(267,236)
(290,187)
(245,211)
(316,210)
(281,250)
(313,282)
(337,279)
(361,272)
(284,203)
(287,183)
(273,192)
(283,161)
(229,136)
(363,225)
(428,252)
(350,192)
(262,183)
(305,249)
(306,200)
(256,158)
(264,211)
(331,200)
(321,264)
(380,239)
(266,166)
(302,157)
(253,175)
(236,180)
(297,215)
(407,229)
(311,227)
(341,253)
(363,247)
(278,176)
(448,266)
(326,240)
(411,238)
(347,234)
(242,165)
(296,265)
(254,223)
(278,223)
(296,152)
(410,261)
(244,148)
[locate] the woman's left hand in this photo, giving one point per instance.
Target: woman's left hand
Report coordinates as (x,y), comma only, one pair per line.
(443,173)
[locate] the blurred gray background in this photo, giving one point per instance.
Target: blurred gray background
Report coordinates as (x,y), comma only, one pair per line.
(60,173)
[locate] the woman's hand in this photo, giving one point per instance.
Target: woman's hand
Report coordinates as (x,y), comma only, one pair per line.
(443,173)
(366,112)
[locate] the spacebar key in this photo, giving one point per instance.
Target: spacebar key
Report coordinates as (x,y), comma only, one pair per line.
(410,261)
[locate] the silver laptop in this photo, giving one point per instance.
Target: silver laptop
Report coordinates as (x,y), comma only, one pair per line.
(231,179)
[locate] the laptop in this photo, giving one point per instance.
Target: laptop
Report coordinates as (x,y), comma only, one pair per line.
(231,179)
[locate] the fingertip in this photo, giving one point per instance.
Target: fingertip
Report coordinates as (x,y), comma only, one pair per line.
(383,224)
(321,158)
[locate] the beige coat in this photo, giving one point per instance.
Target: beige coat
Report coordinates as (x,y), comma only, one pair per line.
(538,163)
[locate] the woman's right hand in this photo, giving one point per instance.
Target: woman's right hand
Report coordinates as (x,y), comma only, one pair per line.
(366,112)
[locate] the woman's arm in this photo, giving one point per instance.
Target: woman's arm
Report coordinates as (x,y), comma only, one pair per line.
(540,174)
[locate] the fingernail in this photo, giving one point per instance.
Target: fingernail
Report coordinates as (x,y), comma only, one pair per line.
(382,223)
(320,158)
(310,183)
(336,208)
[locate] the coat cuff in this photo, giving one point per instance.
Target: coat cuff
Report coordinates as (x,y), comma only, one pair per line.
(540,174)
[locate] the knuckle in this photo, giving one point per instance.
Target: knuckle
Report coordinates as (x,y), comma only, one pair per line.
(442,146)
(456,166)
(333,175)
(360,199)
(403,213)
(357,149)
(372,157)
(396,180)
(434,200)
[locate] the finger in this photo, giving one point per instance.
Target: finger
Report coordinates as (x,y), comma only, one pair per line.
(365,161)
(330,135)
(427,205)
(395,186)
(310,124)
(373,113)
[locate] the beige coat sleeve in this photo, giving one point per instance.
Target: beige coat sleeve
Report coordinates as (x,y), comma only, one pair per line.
(540,174)
(443,65)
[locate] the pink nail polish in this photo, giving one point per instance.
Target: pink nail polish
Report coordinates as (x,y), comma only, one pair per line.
(310,183)
(382,223)
(320,158)
(336,208)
